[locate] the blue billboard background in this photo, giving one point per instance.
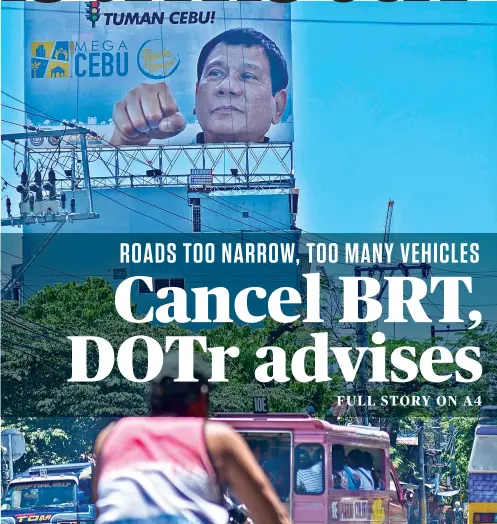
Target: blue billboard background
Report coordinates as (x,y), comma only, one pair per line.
(77,72)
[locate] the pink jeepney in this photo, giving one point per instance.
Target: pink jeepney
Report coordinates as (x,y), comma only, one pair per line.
(309,462)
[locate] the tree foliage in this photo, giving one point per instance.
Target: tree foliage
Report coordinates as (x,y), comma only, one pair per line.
(61,418)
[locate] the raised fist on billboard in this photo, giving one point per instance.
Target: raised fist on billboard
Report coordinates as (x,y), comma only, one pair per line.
(240,91)
(147,112)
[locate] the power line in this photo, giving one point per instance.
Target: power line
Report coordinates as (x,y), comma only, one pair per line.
(10,319)
(481,274)
(191,221)
(14,345)
(42,265)
(293,275)
(122,151)
(305,20)
(231,218)
(44,326)
(186,199)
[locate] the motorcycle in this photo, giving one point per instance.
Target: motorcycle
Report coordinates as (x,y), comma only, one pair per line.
(238,513)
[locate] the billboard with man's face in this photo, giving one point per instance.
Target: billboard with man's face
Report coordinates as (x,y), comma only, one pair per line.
(165,73)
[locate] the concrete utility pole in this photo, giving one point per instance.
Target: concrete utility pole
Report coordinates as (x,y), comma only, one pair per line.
(362,342)
(448,330)
(421,468)
(362,332)
(45,210)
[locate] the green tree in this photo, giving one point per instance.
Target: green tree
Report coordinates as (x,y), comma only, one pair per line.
(61,419)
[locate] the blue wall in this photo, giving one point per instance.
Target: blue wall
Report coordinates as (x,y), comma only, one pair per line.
(75,257)
(151,214)
(154,209)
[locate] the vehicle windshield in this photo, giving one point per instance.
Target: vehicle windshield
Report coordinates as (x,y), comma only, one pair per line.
(37,495)
(272,451)
(484,456)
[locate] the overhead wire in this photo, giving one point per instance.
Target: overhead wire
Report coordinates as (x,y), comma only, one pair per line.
(481,274)
(270,232)
(123,152)
(202,240)
(106,196)
(290,274)
(207,208)
(153,218)
(12,320)
(308,20)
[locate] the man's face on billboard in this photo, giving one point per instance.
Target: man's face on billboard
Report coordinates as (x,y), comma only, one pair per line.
(234,100)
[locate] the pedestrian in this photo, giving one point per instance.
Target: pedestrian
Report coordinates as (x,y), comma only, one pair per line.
(458,513)
(173,466)
(449,516)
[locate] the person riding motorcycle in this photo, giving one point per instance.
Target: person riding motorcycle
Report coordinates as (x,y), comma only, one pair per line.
(172,466)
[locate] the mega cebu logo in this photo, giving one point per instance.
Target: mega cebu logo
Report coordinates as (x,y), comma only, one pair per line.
(156,60)
(97,59)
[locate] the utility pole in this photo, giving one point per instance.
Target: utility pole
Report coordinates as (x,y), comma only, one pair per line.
(39,208)
(362,332)
(43,210)
(438,450)
(421,468)
(448,330)
(16,278)
(438,423)
(362,341)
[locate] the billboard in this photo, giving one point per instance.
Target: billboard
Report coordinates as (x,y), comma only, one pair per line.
(160,73)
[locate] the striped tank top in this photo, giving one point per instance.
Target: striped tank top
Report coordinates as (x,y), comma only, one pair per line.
(158,470)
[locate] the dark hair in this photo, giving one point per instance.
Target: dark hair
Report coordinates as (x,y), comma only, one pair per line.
(368,460)
(338,457)
(317,456)
(250,37)
(356,456)
(174,398)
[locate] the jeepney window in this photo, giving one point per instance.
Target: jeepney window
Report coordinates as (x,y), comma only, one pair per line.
(272,452)
(393,488)
(357,468)
(484,456)
(46,494)
(309,469)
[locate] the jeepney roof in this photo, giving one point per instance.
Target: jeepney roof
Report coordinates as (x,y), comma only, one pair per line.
(49,478)
(298,422)
(486,430)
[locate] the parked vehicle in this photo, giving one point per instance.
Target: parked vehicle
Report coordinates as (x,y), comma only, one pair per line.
(482,469)
(306,459)
(56,494)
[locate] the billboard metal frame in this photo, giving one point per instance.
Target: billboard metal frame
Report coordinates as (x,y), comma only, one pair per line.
(127,166)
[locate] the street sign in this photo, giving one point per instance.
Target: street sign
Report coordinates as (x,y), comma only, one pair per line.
(260,405)
(200,176)
(200,171)
(13,441)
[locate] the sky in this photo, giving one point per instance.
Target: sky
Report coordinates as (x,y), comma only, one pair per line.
(390,101)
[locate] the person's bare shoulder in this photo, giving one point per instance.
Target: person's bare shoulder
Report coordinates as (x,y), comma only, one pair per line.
(220,429)
(224,445)
(221,437)
(99,441)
